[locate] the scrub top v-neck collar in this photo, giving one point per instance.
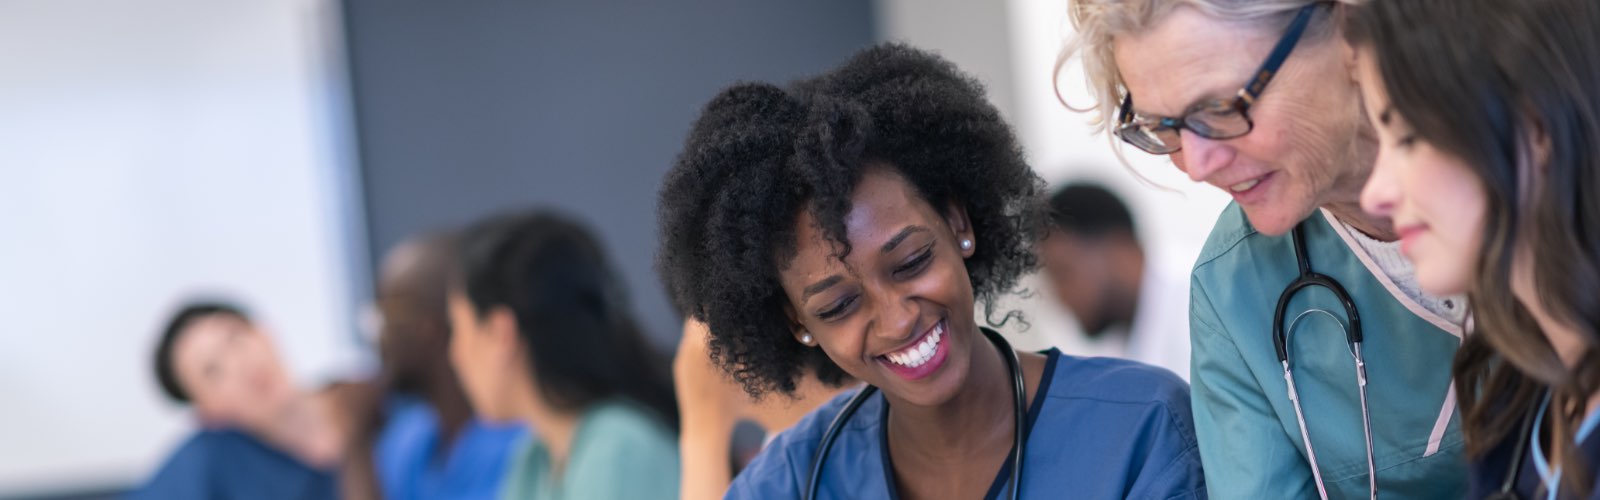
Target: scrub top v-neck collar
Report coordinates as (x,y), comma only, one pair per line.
(999,483)
(1552,478)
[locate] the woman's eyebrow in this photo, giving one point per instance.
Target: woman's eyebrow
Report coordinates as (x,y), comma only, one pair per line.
(904,233)
(819,287)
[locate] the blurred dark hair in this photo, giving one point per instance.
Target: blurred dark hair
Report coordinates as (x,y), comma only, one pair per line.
(187,314)
(759,154)
(1482,80)
(572,312)
(1090,210)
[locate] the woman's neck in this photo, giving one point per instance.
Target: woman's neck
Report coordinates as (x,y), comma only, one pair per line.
(1564,338)
(1344,202)
(1344,199)
(557,428)
(977,418)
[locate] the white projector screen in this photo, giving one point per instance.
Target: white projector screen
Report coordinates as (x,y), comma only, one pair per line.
(150,151)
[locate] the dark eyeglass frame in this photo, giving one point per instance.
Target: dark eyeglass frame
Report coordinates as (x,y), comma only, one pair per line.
(1142,134)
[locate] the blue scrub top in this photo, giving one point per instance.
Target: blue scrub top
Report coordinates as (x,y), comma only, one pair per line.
(1098,428)
(232,465)
(410,467)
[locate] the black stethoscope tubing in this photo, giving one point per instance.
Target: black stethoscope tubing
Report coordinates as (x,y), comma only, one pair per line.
(1280,341)
(1019,439)
(1309,278)
(1508,486)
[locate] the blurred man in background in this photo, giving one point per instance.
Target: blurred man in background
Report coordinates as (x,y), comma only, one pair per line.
(262,436)
(1099,271)
(426,444)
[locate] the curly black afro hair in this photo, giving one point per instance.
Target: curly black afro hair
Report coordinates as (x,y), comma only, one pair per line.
(759,154)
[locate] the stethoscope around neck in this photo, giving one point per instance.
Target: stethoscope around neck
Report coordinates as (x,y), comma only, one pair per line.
(1018,433)
(1352,332)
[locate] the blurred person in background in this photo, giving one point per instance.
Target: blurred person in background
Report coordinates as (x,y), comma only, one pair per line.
(1099,271)
(542,334)
(712,404)
(1259,98)
(854,221)
(1489,156)
(425,442)
(262,436)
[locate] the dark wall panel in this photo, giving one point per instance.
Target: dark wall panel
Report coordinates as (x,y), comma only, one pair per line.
(469,107)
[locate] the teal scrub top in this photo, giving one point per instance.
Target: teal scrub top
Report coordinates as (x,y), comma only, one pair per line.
(1248,434)
(619,452)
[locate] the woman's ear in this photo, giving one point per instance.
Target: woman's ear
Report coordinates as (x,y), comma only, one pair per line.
(955,216)
(1538,146)
(500,324)
(796,329)
(1349,54)
(1533,161)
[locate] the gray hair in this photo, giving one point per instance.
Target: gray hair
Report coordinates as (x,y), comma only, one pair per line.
(1097,22)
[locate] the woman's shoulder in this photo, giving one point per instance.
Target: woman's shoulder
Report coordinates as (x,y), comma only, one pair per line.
(778,470)
(626,422)
(802,439)
(1117,381)
(622,451)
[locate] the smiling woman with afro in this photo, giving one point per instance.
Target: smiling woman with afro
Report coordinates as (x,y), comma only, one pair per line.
(847,224)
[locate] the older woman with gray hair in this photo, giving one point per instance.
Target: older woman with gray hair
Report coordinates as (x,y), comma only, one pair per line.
(1319,366)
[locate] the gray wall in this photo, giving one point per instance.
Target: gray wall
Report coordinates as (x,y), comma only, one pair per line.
(464,108)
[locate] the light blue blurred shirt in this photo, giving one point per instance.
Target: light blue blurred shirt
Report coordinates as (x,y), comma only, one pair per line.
(410,465)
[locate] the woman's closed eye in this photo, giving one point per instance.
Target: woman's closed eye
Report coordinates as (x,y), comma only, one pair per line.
(838,308)
(916,264)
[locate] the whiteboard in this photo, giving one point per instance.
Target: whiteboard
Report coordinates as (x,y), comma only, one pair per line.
(150,151)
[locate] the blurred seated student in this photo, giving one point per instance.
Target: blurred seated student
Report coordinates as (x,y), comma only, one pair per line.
(1099,271)
(262,437)
(542,334)
(711,404)
(426,444)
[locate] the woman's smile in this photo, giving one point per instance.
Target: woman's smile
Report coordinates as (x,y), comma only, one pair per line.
(922,356)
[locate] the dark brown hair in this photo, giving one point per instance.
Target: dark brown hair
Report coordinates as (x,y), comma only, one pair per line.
(1483,80)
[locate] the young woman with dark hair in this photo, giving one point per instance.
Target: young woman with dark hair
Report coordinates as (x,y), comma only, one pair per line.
(1489,134)
(542,334)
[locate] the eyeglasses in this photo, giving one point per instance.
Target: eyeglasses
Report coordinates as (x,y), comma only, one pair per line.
(1217,119)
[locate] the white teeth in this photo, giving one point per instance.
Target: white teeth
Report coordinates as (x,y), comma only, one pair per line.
(1244,186)
(921,352)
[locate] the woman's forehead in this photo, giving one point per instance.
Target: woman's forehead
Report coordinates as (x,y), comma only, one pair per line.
(1188,57)
(882,205)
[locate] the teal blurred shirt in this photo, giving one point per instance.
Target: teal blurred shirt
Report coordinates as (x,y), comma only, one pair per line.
(620,451)
(1249,437)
